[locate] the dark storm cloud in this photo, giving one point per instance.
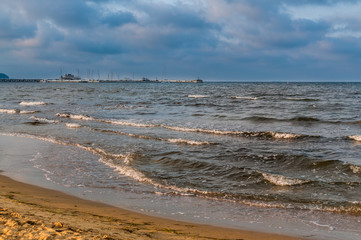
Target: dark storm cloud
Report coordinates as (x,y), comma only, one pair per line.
(236,39)
(12,29)
(118,19)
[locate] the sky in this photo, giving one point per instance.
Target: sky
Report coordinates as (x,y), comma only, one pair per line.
(215,40)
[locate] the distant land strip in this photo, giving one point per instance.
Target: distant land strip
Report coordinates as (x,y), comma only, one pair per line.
(99,81)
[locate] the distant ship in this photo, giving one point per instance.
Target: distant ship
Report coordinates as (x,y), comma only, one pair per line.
(68,77)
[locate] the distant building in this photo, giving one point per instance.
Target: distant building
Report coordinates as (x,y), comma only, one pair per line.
(3,76)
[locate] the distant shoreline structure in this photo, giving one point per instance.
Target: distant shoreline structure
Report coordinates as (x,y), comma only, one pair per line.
(69,78)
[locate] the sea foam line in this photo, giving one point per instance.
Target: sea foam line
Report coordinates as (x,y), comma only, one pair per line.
(121,169)
(9,111)
(45,120)
(23,103)
(171,140)
(276,135)
(244,98)
(75,116)
(198,96)
(16,111)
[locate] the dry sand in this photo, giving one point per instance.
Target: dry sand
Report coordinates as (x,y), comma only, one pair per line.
(31,212)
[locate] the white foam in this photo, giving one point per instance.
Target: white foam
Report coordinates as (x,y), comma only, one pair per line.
(355,169)
(127,171)
(183,129)
(280,180)
(244,98)
(9,111)
(27,112)
(198,96)
(31,103)
(284,135)
(355,138)
(126,123)
(185,141)
(75,116)
(73,125)
(43,120)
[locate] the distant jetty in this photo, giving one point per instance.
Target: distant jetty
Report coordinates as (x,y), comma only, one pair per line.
(68,78)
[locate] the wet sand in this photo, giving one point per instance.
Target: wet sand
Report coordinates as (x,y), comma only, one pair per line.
(31,212)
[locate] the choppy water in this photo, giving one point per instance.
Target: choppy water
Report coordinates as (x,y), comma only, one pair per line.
(270,145)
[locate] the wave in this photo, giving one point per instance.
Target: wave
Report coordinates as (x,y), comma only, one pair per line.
(280,180)
(75,116)
(9,111)
(276,135)
(73,125)
(23,103)
(355,138)
(294,119)
(16,111)
(244,98)
(189,142)
(44,120)
(302,99)
(304,119)
(198,96)
(126,123)
(177,141)
(28,112)
(267,134)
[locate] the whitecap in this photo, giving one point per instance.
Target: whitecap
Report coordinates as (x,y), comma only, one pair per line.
(280,180)
(278,135)
(75,116)
(355,138)
(73,125)
(200,130)
(244,98)
(45,120)
(23,103)
(198,96)
(28,112)
(126,123)
(9,111)
(185,141)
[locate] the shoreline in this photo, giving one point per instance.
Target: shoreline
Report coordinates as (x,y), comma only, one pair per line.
(31,211)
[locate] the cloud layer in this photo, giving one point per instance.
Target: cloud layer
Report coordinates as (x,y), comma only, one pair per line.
(212,39)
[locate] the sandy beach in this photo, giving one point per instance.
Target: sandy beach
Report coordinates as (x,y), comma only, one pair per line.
(31,212)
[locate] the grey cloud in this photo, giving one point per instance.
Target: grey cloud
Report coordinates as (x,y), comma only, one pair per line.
(118,19)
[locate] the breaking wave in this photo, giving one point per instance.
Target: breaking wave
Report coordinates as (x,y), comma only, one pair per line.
(9,111)
(198,96)
(274,135)
(126,123)
(280,180)
(31,103)
(244,98)
(73,125)
(177,141)
(16,111)
(75,116)
(43,120)
(355,138)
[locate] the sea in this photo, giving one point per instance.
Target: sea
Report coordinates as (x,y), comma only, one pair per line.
(274,157)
